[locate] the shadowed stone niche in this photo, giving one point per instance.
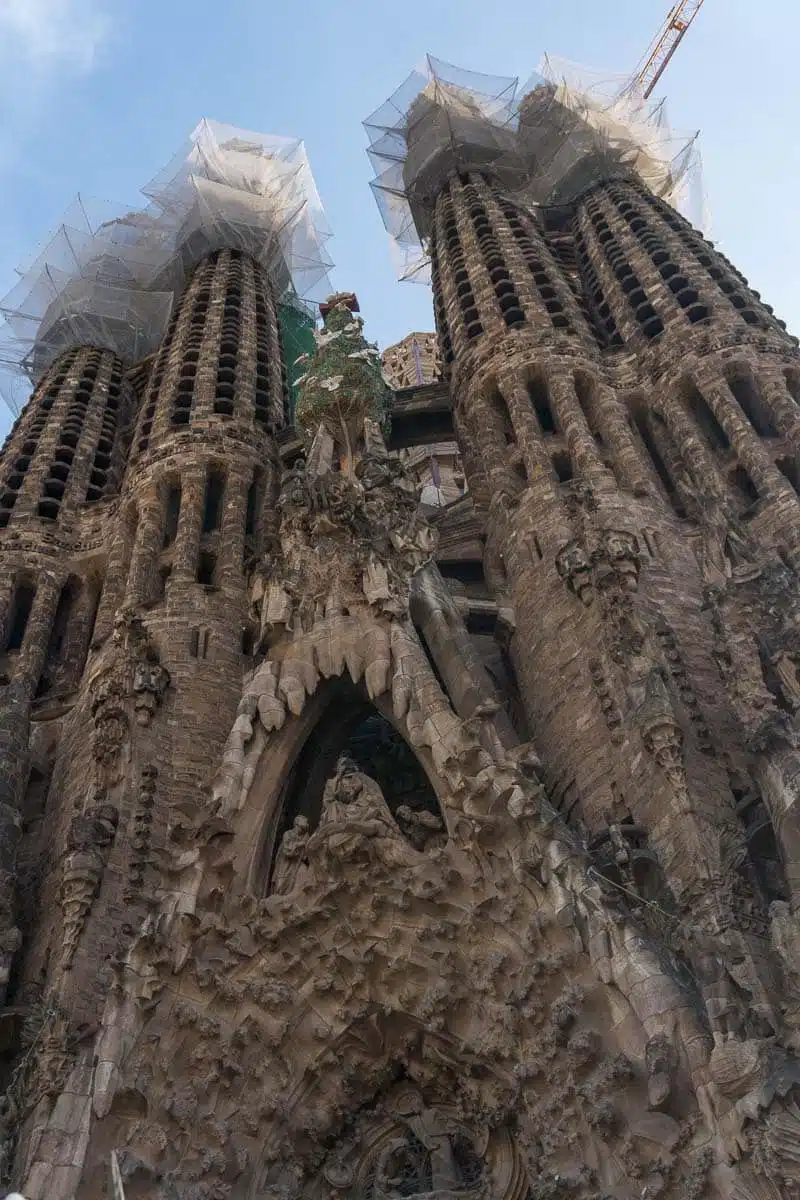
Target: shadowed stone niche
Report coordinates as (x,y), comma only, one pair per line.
(357,776)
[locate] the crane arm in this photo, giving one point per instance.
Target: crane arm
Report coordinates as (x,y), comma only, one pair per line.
(666,43)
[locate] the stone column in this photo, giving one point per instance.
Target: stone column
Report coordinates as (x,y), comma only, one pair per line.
(6,601)
(37,633)
(743,438)
(190,525)
(467,682)
(526,428)
(613,425)
(76,641)
(149,536)
(581,446)
(693,452)
(116,577)
(231,545)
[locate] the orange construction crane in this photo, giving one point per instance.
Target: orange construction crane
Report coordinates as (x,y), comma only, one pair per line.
(666,43)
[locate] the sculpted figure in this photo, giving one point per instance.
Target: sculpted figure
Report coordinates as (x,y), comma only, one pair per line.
(290,869)
(573,565)
(423,1162)
(356,824)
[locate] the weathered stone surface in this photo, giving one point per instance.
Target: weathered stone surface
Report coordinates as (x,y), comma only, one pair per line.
(347,852)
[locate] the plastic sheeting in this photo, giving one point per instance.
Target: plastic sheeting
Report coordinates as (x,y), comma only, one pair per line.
(86,286)
(546,141)
(250,191)
(109,277)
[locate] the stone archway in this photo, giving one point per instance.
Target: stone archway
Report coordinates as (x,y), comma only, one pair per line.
(341,719)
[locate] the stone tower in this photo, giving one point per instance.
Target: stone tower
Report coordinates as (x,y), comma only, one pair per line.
(361,847)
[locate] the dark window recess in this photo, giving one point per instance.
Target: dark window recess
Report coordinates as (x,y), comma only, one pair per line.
(642,425)
(744,484)
(194,642)
(562,466)
(163,578)
(465,570)
(206,568)
(172,514)
(20,612)
(248,642)
(498,406)
(707,422)
(212,504)
(788,468)
(540,399)
(746,393)
(793,384)
(61,622)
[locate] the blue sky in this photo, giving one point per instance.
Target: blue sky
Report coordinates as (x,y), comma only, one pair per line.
(96,95)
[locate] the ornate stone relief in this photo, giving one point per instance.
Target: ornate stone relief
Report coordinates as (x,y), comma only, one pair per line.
(91,835)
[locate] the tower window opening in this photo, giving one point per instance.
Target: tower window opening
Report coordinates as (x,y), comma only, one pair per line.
(61,620)
(206,568)
(747,396)
(252,506)
(163,579)
(540,399)
(708,423)
(793,384)
(212,504)
(20,614)
(744,484)
(642,426)
(562,466)
(173,509)
(789,469)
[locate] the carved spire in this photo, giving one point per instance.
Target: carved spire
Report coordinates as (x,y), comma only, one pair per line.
(343,386)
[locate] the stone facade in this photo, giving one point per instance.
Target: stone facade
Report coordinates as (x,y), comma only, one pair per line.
(354,849)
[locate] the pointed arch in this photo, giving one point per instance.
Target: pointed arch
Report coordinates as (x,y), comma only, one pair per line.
(294,765)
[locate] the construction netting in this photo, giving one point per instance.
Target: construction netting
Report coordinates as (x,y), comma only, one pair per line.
(298,320)
(250,191)
(110,277)
(577,124)
(89,285)
(439,120)
(546,141)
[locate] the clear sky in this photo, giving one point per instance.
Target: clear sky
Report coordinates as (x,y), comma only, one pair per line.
(96,96)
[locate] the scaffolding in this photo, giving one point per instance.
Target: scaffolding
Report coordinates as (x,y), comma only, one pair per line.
(90,285)
(254,192)
(578,126)
(544,142)
(441,119)
(109,277)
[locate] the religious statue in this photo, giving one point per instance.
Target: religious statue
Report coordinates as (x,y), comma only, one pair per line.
(290,867)
(356,824)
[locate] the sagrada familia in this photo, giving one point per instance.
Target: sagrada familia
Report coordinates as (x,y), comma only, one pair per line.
(400,785)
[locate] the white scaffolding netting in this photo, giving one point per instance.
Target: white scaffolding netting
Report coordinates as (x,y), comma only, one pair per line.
(255,192)
(87,286)
(546,141)
(576,122)
(440,117)
(109,277)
